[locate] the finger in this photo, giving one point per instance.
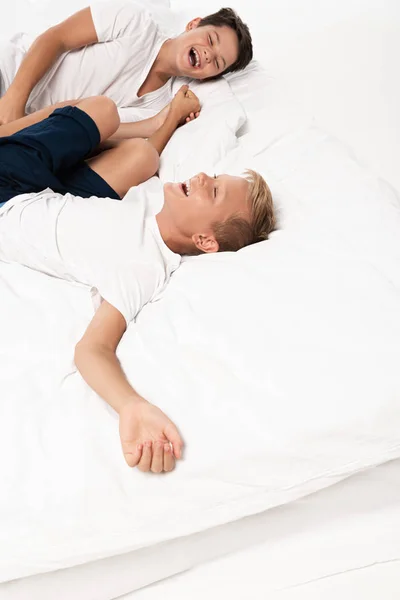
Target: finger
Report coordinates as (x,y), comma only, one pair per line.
(187,119)
(157,464)
(172,435)
(145,462)
(169,461)
(132,457)
(183,89)
(191,115)
(197,114)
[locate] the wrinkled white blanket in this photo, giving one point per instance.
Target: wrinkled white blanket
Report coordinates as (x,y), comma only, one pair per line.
(279,365)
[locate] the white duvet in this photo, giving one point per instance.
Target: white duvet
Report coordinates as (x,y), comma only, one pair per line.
(279,365)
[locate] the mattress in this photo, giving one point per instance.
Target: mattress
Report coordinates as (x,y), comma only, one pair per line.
(370,583)
(342,542)
(336,537)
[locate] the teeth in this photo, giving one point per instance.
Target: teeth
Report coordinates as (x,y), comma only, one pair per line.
(196,57)
(187,187)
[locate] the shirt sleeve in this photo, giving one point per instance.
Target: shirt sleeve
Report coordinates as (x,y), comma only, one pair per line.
(129,288)
(116,19)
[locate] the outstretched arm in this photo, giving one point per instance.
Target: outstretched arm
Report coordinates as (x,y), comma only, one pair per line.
(149,439)
(73,33)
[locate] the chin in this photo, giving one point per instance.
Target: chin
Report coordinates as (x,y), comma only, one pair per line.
(171,192)
(168,187)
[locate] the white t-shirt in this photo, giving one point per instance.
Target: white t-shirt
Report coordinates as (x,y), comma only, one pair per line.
(113,246)
(129,41)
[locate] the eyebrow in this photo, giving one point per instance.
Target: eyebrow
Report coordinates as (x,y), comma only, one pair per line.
(216,33)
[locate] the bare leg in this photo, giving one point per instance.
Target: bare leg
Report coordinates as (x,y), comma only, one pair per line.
(141,129)
(101,109)
(129,163)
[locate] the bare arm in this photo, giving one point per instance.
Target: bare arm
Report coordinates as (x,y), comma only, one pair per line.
(146,432)
(146,128)
(73,33)
(183,107)
(138,129)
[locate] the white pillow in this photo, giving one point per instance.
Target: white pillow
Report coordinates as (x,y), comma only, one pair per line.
(199,145)
(270,109)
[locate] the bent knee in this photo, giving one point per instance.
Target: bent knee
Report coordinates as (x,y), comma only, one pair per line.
(151,156)
(104,112)
(146,156)
(109,114)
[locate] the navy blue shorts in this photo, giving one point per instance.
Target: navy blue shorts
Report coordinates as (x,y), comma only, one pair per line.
(51,154)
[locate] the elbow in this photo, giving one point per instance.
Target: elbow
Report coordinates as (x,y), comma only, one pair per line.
(87,353)
(80,354)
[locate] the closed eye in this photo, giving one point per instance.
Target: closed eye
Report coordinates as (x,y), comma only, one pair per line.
(215,189)
(210,40)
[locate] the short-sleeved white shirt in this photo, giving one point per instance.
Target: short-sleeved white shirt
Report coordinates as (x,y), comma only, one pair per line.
(113,246)
(129,41)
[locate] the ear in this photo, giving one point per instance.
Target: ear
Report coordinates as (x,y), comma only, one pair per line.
(205,242)
(193,24)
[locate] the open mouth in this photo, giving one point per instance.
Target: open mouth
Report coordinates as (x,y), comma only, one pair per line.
(194,58)
(185,186)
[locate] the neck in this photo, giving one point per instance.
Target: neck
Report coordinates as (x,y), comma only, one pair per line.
(164,65)
(170,235)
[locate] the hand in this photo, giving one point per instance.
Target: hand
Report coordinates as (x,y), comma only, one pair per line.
(149,439)
(185,105)
(10,110)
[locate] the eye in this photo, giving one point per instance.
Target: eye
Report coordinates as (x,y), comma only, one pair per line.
(210,40)
(215,189)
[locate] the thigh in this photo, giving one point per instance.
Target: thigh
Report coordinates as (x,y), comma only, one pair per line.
(128,164)
(22,171)
(58,142)
(83,181)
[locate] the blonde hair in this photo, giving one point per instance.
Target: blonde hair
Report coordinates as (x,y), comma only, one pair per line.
(236,232)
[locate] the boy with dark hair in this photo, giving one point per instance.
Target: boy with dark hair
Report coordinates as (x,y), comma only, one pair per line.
(229,18)
(116,49)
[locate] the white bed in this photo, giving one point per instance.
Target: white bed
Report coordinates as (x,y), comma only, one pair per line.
(67,525)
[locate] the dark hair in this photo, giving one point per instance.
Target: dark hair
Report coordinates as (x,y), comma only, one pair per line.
(228,17)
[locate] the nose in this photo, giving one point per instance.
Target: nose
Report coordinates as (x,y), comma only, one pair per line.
(203,181)
(207,55)
(202,178)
